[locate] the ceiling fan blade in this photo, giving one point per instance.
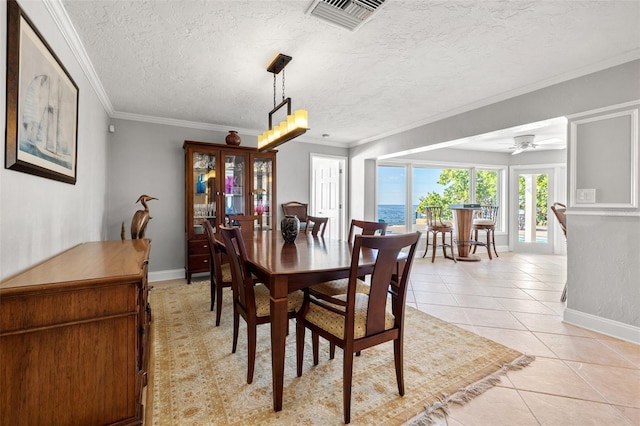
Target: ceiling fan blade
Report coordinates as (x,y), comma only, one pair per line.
(517,151)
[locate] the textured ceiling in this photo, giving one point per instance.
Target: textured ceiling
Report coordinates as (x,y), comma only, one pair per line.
(414,61)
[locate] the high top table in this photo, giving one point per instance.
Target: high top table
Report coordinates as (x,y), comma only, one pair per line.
(287,267)
(463,224)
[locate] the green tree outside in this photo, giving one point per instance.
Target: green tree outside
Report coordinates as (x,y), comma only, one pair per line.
(456,190)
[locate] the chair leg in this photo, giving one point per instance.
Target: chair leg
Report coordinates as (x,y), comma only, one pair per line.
(332,350)
(213,294)
(488,244)
(251,350)
(299,347)
(435,245)
(493,241)
(453,253)
(475,239)
(236,326)
(398,357)
(315,341)
(218,304)
(426,247)
(444,244)
(347,375)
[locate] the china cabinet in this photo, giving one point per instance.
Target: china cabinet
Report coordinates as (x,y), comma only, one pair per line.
(74,337)
(221,180)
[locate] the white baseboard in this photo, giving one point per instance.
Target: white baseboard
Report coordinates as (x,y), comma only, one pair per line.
(601,325)
(172,274)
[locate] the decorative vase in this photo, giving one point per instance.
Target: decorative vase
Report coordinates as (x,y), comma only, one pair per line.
(233,138)
(259,207)
(290,226)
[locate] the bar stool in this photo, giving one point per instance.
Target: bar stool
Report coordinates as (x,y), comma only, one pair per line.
(436,225)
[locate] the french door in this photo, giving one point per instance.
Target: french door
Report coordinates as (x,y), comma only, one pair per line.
(531,195)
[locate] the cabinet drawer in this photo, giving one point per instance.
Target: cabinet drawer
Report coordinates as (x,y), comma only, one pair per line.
(199,262)
(198,247)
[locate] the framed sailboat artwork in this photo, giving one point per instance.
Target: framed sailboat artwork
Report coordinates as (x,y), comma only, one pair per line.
(42,104)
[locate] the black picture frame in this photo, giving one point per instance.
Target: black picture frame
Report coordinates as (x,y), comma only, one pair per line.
(42,104)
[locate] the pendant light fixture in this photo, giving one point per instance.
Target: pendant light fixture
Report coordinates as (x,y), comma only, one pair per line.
(295,125)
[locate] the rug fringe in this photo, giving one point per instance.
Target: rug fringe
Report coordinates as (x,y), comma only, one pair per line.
(440,408)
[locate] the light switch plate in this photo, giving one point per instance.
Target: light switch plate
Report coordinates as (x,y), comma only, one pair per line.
(586,196)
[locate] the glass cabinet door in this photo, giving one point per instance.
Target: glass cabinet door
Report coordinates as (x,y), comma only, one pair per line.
(204,187)
(262,192)
(234,184)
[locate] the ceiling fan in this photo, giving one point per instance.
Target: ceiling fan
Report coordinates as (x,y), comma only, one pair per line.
(525,142)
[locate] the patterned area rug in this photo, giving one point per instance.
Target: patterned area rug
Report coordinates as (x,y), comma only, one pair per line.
(194,378)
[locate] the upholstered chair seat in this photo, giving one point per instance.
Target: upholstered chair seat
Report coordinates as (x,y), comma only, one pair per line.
(334,323)
(261,292)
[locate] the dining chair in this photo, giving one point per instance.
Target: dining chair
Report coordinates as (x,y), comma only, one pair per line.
(299,209)
(339,286)
(364,227)
(316,225)
(356,321)
(560,210)
(250,300)
(220,270)
(436,224)
(485,220)
(247,223)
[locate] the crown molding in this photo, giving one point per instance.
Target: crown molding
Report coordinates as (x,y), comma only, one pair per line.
(61,18)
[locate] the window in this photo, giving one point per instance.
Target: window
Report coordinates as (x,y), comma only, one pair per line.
(392,197)
(404,190)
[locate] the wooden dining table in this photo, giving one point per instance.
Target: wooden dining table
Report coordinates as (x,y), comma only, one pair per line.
(287,267)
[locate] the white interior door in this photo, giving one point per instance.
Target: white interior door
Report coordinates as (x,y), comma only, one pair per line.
(531,227)
(328,192)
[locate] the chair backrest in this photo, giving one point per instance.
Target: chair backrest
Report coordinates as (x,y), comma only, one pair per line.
(242,281)
(487,213)
(297,209)
(560,210)
(319,225)
(247,223)
(386,277)
(215,254)
(364,227)
(434,216)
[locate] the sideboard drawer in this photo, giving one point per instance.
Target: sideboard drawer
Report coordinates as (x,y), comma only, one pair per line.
(199,262)
(198,247)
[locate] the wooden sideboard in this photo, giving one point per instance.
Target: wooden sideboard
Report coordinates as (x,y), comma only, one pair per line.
(74,337)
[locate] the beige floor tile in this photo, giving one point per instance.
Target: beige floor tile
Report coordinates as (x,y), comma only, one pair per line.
(435,298)
(520,305)
(514,293)
(432,287)
(561,411)
(545,295)
(473,290)
(496,407)
(628,350)
(585,349)
(620,386)
(553,376)
(492,318)
(470,301)
(450,314)
(548,324)
(633,414)
(521,340)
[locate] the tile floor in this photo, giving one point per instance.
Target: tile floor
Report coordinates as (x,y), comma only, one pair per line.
(579,377)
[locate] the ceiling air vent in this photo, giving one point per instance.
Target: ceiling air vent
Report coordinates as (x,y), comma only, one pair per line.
(349,14)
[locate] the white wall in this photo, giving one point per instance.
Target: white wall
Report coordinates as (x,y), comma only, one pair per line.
(41,217)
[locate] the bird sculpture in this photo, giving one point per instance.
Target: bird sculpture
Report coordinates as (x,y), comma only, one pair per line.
(141,218)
